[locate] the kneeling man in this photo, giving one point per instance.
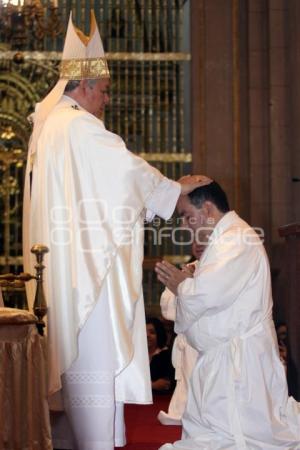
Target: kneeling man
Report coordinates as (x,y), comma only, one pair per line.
(237,396)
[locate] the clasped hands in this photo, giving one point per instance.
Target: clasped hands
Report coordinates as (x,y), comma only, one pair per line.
(171,276)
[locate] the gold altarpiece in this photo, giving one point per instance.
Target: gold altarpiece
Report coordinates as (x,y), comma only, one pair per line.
(149,64)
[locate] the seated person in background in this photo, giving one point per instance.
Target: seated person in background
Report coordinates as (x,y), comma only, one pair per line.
(281,331)
(161,369)
(183,355)
(285,357)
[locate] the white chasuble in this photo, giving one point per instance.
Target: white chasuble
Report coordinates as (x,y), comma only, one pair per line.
(88,198)
(238,397)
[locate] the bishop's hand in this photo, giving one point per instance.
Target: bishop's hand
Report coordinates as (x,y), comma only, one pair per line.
(191,182)
(170,276)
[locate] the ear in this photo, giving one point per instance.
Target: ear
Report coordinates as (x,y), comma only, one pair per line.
(207,207)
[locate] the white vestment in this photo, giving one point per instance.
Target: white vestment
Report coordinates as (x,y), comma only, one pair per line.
(238,397)
(183,359)
(88,201)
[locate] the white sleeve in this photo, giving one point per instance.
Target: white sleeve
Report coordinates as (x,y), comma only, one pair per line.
(168,305)
(163,200)
(217,284)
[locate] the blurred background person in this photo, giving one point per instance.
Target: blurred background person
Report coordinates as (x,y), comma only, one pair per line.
(281,331)
(161,369)
(285,356)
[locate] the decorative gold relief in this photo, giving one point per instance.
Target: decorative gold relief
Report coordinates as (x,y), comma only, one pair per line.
(167,157)
(22,84)
(26,25)
(141,56)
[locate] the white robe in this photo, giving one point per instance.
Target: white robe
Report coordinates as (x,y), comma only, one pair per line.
(238,396)
(88,200)
(183,359)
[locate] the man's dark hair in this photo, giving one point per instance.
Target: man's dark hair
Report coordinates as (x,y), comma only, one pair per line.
(211,192)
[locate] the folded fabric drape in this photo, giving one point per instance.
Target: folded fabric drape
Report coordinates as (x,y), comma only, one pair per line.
(24,413)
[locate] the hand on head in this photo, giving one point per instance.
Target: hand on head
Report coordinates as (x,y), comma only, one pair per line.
(191,182)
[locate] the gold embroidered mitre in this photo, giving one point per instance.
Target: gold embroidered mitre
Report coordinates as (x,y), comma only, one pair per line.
(83,56)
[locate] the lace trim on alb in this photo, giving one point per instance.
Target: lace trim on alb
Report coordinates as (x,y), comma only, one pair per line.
(88,377)
(91,401)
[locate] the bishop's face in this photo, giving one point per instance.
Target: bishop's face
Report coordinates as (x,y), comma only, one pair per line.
(97,97)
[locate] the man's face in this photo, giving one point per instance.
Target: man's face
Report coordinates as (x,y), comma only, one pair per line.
(97,97)
(193,218)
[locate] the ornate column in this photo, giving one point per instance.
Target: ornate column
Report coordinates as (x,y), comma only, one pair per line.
(293,101)
(259,115)
(280,162)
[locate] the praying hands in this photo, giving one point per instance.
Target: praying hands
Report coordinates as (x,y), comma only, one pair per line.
(170,276)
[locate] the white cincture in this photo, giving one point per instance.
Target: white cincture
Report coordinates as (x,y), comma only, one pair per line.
(236,349)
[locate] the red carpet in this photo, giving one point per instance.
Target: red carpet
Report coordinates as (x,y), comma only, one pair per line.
(144,431)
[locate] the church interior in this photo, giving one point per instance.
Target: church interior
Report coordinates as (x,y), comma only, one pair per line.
(197,87)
